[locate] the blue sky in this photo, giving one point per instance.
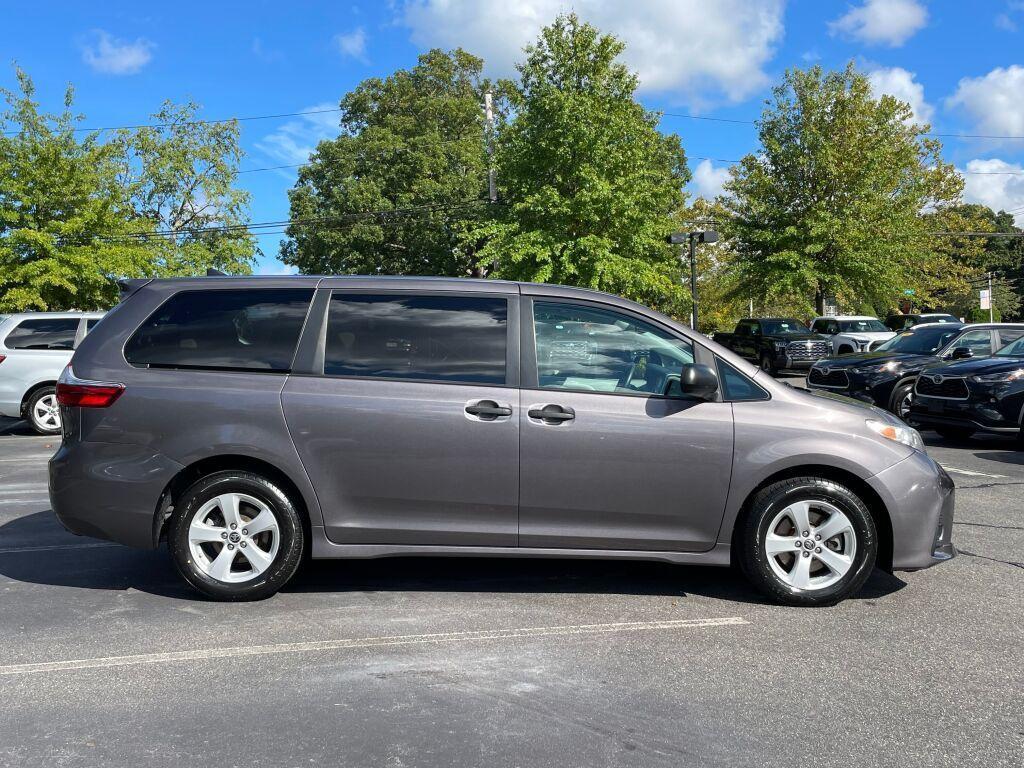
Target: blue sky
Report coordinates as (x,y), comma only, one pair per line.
(960,65)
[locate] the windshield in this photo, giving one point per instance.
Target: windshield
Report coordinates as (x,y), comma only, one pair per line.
(862,326)
(1013,349)
(783,327)
(921,341)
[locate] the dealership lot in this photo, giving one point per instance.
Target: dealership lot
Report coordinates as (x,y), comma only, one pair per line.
(106,658)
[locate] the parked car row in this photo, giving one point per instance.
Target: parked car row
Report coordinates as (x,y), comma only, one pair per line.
(34,349)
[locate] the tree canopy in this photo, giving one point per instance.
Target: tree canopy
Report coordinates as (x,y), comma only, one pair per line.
(589,184)
(834,201)
(411,152)
(77,212)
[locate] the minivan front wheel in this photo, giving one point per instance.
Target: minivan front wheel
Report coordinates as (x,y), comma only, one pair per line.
(808,541)
(235,536)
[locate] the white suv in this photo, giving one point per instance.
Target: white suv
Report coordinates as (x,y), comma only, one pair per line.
(852,333)
(34,348)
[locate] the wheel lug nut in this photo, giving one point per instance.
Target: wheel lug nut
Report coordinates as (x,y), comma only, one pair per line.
(806,553)
(243,546)
(224,535)
(817,537)
(232,546)
(806,534)
(245,532)
(233,526)
(818,549)
(798,546)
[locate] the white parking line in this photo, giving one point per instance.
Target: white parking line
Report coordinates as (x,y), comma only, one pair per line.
(365,642)
(969,472)
(29,457)
(40,500)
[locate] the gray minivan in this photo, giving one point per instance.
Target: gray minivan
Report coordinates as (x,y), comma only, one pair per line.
(248,420)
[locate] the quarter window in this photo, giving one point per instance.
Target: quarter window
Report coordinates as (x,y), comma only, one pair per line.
(245,329)
(43,333)
(737,387)
(597,350)
(459,339)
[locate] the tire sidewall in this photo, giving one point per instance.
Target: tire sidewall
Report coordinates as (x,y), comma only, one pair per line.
(897,397)
(30,409)
(289,525)
(775,498)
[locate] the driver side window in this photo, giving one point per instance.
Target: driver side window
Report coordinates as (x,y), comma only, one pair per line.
(589,349)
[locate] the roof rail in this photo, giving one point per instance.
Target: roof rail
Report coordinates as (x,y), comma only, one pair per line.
(212,272)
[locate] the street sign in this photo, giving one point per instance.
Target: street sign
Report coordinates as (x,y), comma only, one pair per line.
(986,298)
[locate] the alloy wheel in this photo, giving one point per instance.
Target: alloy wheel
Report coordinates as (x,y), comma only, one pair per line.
(46,413)
(234,537)
(811,545)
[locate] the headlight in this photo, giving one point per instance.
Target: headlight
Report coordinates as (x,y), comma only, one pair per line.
(909,436)
(891,365)
(993,378)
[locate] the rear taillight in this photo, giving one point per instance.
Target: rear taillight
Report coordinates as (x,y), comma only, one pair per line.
(74,392)
(2,358)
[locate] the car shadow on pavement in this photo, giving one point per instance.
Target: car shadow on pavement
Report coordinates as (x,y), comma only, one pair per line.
(82,563)
(17,428)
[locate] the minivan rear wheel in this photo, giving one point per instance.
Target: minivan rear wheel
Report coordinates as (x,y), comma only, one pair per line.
(808,541)
(235,536)
(42,412)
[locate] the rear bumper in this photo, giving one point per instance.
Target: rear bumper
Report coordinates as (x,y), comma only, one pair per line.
(920,497)
(109,491)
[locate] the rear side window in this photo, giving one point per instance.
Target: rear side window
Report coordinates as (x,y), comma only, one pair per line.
(459,339)
(245,329)
(44,333)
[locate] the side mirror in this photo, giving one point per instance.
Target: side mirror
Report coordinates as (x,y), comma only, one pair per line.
(697,381)
(962,353)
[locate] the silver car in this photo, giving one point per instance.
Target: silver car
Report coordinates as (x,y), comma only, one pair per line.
(244,420)
(34,348)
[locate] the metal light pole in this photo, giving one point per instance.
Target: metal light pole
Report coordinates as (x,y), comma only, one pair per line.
(678,238)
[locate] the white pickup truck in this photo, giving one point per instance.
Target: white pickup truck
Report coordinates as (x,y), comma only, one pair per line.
(852,333)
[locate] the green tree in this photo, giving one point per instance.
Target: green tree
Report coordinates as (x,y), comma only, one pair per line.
(179,178)
(65,225)
(588,182)
(411,145)
(77,213)
(832,202)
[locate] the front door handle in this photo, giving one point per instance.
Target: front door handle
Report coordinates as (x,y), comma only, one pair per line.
(552,414)
(488,410)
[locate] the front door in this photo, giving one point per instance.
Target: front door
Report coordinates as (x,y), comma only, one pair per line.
(411,434)
(608,461)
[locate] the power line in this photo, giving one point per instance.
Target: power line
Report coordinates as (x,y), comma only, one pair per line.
(247,118)
(754,122)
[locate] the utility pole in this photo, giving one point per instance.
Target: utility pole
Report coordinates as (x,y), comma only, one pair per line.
(991,300)
(492,180)
(680,238)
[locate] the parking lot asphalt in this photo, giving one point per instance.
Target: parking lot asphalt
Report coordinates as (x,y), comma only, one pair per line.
(107,659)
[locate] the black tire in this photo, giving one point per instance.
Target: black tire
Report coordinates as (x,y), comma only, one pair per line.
(768,365)
(846,349)
(48,393)
(289,545)
(899,395)
(768,503)
(955,433)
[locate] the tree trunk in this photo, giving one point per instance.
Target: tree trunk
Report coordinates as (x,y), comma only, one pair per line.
(819,301)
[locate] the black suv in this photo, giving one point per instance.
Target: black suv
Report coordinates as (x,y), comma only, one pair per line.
(886,376)
(960,398)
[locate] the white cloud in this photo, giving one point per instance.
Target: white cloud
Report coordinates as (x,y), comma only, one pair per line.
(898,82)
(881,22)
(708,181)
(997,184)
(105,53)
(995,101)
(294,141)
(275,267)
(688,47)
(352,44)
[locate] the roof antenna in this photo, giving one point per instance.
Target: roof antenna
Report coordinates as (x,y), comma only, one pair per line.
(211,272)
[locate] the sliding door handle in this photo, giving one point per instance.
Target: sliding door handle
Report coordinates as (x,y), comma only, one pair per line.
(552,414)
(488,410)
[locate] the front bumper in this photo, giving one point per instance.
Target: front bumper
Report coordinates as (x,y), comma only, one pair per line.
(109,491)
(983,410)
(920,497)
